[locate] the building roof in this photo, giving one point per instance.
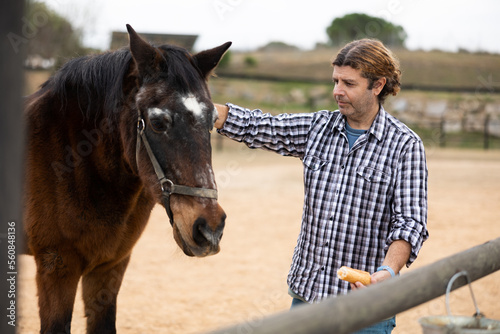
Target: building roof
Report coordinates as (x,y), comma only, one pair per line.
(120,39)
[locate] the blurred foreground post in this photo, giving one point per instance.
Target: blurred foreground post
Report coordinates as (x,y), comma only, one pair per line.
(363,308)
(11,155)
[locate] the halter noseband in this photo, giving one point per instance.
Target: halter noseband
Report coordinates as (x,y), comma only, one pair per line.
(167,186)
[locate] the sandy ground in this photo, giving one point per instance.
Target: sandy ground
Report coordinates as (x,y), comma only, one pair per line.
(167,292)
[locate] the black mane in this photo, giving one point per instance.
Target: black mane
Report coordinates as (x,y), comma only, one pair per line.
(96,81)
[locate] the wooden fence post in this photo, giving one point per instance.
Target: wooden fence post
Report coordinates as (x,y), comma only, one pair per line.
(442,133)
(486,132)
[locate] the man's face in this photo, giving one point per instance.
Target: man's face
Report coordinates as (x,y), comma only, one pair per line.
(355,100)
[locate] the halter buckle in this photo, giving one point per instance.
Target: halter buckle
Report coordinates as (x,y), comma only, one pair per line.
(169,189)
(140,125)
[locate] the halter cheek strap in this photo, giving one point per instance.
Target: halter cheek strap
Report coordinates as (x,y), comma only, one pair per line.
(167,186)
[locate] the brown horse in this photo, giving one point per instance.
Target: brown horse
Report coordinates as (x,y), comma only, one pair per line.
(108,137)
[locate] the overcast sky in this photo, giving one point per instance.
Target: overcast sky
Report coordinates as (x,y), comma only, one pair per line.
(430,24)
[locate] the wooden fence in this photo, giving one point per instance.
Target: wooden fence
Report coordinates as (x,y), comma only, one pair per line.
(362,308)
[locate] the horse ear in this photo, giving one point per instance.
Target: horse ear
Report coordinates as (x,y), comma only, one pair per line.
(207,60)
(143,53)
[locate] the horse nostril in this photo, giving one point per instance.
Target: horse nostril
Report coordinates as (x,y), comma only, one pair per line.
(203,235)
(199,230)
(220,228)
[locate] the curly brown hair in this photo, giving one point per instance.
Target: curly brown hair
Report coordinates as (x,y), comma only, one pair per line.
(375,61)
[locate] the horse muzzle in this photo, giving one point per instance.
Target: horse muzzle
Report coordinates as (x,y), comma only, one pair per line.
(198,235)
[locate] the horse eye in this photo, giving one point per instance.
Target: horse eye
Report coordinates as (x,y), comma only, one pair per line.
(160,123)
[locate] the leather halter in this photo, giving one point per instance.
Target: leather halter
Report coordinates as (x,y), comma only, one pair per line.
(167,186)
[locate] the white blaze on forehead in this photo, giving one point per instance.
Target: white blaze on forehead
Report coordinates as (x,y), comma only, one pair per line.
(192,104)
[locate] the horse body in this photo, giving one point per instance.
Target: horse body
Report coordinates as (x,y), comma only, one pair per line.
(90,186)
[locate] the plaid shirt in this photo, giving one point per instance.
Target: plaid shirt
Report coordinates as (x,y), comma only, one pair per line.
(356,201)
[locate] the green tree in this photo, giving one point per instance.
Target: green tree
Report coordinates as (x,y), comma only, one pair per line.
(357,26)
(49,35)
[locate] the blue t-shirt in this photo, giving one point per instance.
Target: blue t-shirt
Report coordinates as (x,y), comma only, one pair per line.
(352,134)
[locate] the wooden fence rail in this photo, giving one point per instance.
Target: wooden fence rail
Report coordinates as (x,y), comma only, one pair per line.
(362,308)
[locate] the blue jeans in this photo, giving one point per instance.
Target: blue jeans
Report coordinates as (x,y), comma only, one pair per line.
(383,327)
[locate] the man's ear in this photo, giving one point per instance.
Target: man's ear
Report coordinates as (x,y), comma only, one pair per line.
(378,85)
(209,59)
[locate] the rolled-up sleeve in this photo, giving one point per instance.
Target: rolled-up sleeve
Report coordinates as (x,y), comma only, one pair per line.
(409,208)
(285,134)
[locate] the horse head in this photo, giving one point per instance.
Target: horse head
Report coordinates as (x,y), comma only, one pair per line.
(175,118)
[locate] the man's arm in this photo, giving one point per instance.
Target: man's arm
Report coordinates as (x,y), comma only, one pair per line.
(397,256)
(285,134)
(222,110)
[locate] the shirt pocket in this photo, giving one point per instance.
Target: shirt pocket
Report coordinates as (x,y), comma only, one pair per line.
(313,163)
(373,175)
(374,188)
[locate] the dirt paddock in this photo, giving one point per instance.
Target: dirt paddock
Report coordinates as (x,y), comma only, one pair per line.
(167,292)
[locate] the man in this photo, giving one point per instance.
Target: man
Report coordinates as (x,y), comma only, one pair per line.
(365,177)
